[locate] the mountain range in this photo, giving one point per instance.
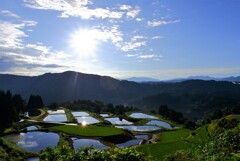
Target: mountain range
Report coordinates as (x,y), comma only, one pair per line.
(153,80)
(192,97)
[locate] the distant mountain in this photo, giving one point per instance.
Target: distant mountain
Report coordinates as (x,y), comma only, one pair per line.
(194,98)
(69,86)
(192,78)
(142,79)
(232,79)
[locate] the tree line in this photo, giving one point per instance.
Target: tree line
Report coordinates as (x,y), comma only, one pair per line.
(12,106)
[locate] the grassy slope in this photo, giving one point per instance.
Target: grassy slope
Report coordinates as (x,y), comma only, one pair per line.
(88,130)
(170,136)
(172,141)
(158,151)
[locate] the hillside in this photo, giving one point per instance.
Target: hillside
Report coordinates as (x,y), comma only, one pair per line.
(194,98)
(69,86)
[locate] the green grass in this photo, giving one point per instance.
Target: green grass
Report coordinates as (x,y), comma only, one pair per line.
(93,131)
(201,135)
(158,151)
(170,136)
(70,116)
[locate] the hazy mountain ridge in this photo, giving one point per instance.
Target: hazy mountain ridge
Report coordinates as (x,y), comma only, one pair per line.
(69,86)
(192,97)
(176,80)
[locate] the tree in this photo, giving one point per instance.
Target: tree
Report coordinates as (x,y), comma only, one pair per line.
(35,102)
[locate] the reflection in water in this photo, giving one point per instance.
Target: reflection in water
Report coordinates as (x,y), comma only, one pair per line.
(160,123)
(53,112)
(118,121)
(81,114)
(129,143)
(82,143)
(104,115)
(31,128)
(142,137)
(142,115)
(56,118)
(139,128)
(87,120)
(34,141)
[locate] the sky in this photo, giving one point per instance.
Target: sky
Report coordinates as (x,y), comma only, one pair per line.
(161,39)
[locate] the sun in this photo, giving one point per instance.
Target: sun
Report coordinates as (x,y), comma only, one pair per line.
(84,42)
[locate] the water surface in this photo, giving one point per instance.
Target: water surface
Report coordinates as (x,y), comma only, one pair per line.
(53,112)
(34,141)
(160,123)
(56,118)
(143,115)
(82,143)
(104,115)
(118,121)
(129,143)
(87,120)
(81,114)
(32,128)
(140,128)
(142,137)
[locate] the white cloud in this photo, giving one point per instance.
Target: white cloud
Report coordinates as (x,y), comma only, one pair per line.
(157,37)
(125,7)
(135,38)
(149,56)
(140,19)
(11,34)
(9,13)
(133,13)
(131,46)
(75,8)
(155,23)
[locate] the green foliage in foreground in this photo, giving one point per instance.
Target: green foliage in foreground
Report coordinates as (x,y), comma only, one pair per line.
(159,151)
(65,153)
(224,146)
(88,130)
(11,152)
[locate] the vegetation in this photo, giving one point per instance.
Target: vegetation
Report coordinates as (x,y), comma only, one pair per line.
(35,102)
(65,153)
(88,130)
(11,152)
(175,116)
(169,136)
(10,108)
(223,146)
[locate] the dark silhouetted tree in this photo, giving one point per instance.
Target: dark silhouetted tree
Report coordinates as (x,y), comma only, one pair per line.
(35,102)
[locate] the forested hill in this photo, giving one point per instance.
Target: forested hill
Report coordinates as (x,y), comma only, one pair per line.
(69,86)
(194,98)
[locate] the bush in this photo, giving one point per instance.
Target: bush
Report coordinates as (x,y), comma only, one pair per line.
(114,154)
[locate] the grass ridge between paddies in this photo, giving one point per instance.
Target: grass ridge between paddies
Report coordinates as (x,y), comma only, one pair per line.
(90,130)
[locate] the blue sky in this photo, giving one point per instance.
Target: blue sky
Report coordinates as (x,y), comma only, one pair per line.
(162,39)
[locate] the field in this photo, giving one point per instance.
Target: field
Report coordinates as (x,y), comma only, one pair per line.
(91,131)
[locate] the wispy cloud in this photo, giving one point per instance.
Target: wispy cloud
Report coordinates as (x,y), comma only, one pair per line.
(75,8)
(155,23)
(125,7)
(157,37)
(149,56)
(131,46)
(133,13)
(9,14)
(11,34)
